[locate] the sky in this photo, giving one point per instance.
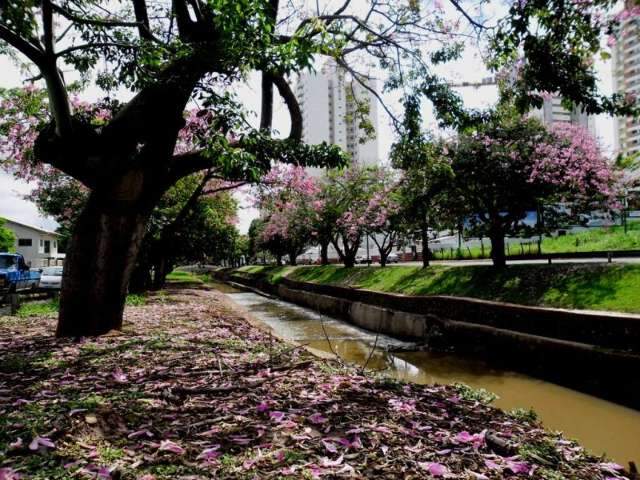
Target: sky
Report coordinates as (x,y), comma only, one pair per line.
(12,191)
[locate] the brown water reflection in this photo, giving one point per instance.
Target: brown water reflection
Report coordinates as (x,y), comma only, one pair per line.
(599,425)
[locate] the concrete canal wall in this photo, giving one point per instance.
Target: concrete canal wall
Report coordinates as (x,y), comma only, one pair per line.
(592,352)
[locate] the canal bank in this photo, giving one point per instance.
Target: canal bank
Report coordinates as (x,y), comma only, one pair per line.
(602,426)
(592,352)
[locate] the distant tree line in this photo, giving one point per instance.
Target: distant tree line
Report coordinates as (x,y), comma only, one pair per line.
(484,179)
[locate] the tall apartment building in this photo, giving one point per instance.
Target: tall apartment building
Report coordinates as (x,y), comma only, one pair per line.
(552,111)
(626,80)
(328,102)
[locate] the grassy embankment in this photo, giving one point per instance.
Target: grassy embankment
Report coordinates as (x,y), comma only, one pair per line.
(594,287)
(594,240)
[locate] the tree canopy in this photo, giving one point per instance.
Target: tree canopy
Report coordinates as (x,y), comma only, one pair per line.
(513,164)
(427,177)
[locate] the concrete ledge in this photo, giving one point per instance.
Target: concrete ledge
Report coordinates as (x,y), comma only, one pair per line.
(606,330)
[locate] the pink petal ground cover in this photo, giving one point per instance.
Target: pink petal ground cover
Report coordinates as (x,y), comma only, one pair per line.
(192,389)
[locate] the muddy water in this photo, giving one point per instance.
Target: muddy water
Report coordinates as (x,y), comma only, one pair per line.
(599,425)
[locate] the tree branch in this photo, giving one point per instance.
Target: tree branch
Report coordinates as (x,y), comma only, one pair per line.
(225,188)
(99,22)
(266,109)
(89,46)
(188,163)
(358,78)
(466,15)
(28,49)
(185,25)
(142,17)
(47,23)
(292,104)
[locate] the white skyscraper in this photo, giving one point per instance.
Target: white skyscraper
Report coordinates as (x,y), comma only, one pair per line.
(329,103)
(553,111)
(626,80)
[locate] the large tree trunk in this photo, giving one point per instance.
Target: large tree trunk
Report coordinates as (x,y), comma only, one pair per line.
(324,253)
(350,251)
(292,258)
(101,257)
(497,247)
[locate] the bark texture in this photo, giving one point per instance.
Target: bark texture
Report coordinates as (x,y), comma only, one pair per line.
(101,257)
(324,253)
(497,248)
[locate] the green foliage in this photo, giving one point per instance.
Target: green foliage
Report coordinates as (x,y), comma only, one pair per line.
(475,394)
(427,175)
(7,238)
(523,415)
(543,451)
(549,47)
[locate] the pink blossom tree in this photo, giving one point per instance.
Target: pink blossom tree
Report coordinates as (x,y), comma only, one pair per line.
(512,165)
(287,201)
(359,201)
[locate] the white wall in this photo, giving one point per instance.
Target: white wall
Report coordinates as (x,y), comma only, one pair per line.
(34,254)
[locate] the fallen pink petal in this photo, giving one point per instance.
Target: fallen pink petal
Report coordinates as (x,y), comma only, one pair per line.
(169,446)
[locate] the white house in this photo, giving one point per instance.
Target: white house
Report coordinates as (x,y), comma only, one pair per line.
(39,247)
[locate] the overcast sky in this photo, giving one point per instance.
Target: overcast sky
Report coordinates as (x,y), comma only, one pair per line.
(12,204)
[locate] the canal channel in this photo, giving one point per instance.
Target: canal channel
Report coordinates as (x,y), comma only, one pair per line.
(599,425)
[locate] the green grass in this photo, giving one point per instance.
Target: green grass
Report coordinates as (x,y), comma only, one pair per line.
(135,300)
(51,307)
(273,274)
(577,286)
(181,276)
(593,240)
(35,309)
(597,239)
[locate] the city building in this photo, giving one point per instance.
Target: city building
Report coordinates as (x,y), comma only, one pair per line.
(552,111)
(626,79)
(329,102)
(39,247)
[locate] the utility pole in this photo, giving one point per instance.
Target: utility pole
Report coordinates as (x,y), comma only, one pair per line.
(625,204)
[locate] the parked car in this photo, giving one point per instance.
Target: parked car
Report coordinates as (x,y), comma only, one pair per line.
(393,258)
(361,259)
(51,278)
(15,275)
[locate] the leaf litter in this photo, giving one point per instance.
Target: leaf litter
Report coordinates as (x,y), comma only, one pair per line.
(193,389)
